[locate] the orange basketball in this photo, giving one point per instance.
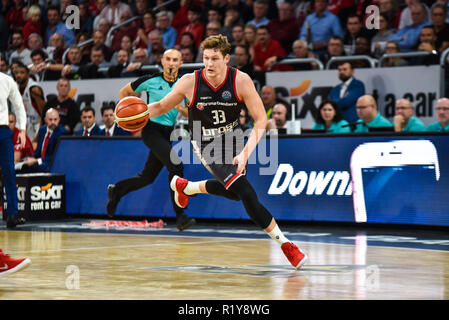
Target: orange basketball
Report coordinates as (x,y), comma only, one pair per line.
(131,113)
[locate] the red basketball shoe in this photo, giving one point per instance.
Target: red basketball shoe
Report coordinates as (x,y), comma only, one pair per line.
(9,265)
(294,255)
(178,185)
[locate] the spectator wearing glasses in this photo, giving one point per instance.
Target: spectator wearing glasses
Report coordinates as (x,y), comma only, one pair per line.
(390,48)
(403,120)
(442,109)
(366,108)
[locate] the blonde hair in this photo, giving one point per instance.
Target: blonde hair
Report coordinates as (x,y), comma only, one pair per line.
(217,42)
(33,10)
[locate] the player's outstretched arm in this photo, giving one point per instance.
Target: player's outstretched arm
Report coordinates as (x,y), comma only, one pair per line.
(180,90)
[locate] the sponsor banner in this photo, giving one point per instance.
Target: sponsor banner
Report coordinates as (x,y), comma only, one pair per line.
(40,195)
(306,89)
(374,179)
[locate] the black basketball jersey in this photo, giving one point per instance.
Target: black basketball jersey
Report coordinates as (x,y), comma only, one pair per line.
(214,110)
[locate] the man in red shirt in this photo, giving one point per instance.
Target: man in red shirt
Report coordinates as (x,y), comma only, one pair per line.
(285,28)
(20,152)
(265,48)
(195,26)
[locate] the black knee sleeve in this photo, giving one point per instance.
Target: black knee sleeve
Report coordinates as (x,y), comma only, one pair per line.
(216,188)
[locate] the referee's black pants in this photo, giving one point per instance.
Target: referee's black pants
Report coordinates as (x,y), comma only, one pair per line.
(157,138)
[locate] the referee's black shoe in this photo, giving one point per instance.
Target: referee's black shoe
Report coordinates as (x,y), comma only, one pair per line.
(113,200)
(13,220)
(183,222)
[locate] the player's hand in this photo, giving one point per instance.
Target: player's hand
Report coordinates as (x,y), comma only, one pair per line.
(240,160)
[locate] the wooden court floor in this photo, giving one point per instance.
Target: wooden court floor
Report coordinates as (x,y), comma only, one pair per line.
(190,266)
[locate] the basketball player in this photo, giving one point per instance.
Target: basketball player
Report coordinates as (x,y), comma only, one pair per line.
(156,136)
(216,95)
(33,100)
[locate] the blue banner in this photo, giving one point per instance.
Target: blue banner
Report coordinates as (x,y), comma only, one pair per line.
(400,179)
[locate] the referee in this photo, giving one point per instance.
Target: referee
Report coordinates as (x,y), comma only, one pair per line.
(10,91)
(156,136)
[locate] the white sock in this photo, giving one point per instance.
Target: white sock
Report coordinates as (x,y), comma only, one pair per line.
(193,187)
(277,235)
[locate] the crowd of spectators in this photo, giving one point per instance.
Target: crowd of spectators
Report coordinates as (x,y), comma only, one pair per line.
(118,38)
(271,30)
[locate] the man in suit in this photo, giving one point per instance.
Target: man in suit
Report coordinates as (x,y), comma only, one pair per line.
(346,93)
(46,143)
(110,127)
(90,128)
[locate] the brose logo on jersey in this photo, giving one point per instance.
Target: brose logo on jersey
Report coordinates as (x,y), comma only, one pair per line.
(211,132)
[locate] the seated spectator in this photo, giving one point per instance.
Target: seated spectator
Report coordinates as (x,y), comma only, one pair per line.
(187,40)
(389,8)
(284,28)
(100,42)
(408,36)
(110,128)
(265,48)
(441,27)
(86,19)
(244,120)
(14,17)
(380,39)
(330,118)
(319,27)
(406,17)
(195,26)
(148,25)
(41,69)
(35,42)
(390,48)
(73,63)
(354,30)
(369,115)
(55,25)
(347,92)
(118,69)
(33,24)
(95,9)
(237,37)
(103,25)
(129,29)
(403,120)
(156,46)
(300,51)
(260,11)
(134,69)
(68,110)
(20,153)
(112,12)
(278,118)
(334,49)
(169,34)
(127,45)
(269,99)
(233,17)
(187,54)
(242,60)
(250,34)
(4,66)
(90,127)
(212,29)
(47,140)
(21,52)
(80,40)
(362,47)
(90,70)
(427,42)
(56,48)
(442,110)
